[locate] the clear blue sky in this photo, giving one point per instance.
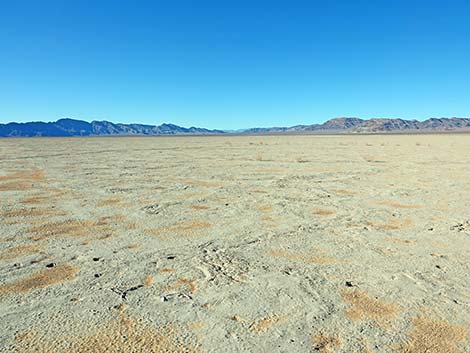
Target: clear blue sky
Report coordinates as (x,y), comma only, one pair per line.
(233,64)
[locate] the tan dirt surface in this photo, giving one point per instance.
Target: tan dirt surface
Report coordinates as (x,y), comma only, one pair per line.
(335,244)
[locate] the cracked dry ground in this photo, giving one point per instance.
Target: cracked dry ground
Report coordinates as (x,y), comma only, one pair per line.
(235,244)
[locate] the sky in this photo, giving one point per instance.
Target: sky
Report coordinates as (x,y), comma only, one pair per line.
(233,64)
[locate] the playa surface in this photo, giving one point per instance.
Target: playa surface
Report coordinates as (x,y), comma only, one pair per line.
(235,244)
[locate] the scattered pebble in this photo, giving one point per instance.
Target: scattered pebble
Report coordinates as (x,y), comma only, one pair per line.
(97,275)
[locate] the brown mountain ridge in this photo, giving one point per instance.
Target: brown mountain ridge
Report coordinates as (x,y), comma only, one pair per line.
(376,125)
(72,127)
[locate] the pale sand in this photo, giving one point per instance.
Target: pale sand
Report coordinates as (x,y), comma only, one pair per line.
(235,244)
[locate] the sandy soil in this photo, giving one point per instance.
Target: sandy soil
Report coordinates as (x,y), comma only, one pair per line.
(235,244)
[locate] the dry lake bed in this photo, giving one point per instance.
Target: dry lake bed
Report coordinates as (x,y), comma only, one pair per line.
(235,244)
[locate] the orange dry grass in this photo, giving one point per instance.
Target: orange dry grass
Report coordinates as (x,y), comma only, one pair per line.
(31,175)
(22,180)
(429,335)
(183,284)
(264,324)
(41,279)
(258,191)
(264,208)
(119,335)
(32,212)
(134,246)
(35,200)
(393,224)
(399,205)
(325,343)
(197,182)
(109,202)
(203,183)
(345,192)
(72,228)
(238,318)
(149,281)
(267,219)
(19,251)
(69,227)
(187,229)
(318,258)
(200,207)
(167,270)
(367,307)
(323,212)
(131,225)
(15,186)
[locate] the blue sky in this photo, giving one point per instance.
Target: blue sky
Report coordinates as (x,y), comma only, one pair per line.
(233,64)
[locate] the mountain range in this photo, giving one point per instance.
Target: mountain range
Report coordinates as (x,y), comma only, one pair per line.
(356,125)
(72,127)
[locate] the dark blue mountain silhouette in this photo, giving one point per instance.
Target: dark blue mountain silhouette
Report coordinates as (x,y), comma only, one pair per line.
(72,127)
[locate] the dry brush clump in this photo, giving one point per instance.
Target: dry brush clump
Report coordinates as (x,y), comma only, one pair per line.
(183,285)
(431,335)
(21,180)
(20,251)
(202,183)
(200,207)
(401,241)
(148,281)
(31,212)
(75,228)
(392,224)
(323,212)
(167,270)
(120,334)
(315,257)
(32,175)
(110,202)
(264,208)
(393,204)
(184,229)
(134,246)
(363,306)
(325,343)
(194,182)
(345,192)
(36,199)
(47,195)
(41,279)
(67,228)
(259,191)
(265,323)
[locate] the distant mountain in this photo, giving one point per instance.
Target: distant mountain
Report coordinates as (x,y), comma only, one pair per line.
(71,127)
(356,125)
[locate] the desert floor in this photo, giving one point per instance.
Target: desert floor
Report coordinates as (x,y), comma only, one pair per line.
(235,244)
